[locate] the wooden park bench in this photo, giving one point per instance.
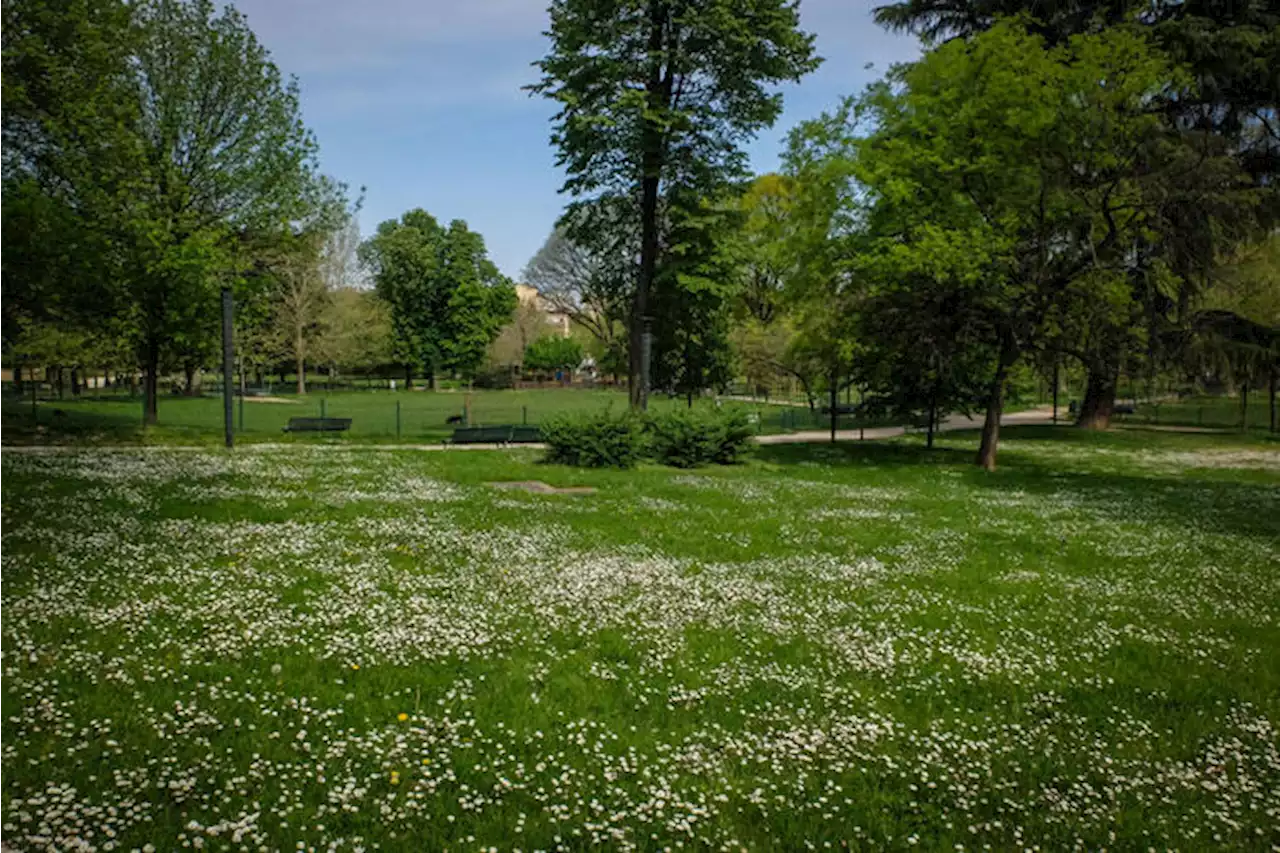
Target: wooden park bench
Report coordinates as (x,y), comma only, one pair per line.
(318,425)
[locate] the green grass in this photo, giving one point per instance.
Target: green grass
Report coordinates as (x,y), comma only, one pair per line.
(871,645)
(1211,412)
(422,416)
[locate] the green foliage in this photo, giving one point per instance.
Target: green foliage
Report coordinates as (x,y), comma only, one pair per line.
(551,353)
(657,94)
(708,67)
(693,300)
(687,438)
(605,439)
(1010,181)
(69,111)
(447,299)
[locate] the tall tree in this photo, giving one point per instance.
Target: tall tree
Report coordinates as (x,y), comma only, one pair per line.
(224,151)
(1013,175)
(68,111)
(404,259)
(661,93)
(447,299)
(764,265)
(481,299)
(1231,51)
(694,296)
(823,237)
(317,258)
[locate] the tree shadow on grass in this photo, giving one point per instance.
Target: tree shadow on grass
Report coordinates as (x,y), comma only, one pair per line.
(51,424)
(1207,500)
(862,454)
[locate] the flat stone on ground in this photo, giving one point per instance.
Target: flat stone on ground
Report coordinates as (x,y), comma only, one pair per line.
(540,488)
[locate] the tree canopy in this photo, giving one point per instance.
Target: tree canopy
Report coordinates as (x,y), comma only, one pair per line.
(447,299)
(655,94)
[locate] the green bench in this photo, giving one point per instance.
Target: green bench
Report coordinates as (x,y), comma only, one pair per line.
(481,435)
(505,434)
(526,434)
(318,425)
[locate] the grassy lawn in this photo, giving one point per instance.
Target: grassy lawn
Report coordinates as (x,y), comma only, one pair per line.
(1216,412)
(866,645)
(422,416)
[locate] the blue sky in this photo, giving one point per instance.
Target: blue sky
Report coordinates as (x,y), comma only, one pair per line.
(419,101)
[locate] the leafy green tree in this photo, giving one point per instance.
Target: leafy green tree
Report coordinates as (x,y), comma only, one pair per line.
(694,296)
(660,93)
(760,247)
(1231,51)
(225,152)
(67,112)
(551,353)
(823,239)
(1006,174)
(403,258)
(356,330)
(447,299)
(482,299)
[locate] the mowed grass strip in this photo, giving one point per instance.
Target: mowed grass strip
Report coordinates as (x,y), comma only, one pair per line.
(868,645)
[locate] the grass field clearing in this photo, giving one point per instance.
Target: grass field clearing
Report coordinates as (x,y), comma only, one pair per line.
(873,645)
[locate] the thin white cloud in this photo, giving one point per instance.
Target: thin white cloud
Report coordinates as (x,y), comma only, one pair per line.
(327,35)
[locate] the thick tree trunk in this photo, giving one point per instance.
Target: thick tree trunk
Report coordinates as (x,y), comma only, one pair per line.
(151,384)
(189,372)
(1099,398)
(59,379)
(408,377)
(991,424)
(658,95)
(75,382)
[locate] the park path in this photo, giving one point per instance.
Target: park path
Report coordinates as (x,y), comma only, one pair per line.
(1042,415)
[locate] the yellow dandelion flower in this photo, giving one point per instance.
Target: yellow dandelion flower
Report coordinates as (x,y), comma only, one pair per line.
(395,777)
(402,717)
(355,666)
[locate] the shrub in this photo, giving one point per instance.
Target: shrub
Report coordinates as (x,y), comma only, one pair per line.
(495,377)
(686,438)
(551,353)
(594,440)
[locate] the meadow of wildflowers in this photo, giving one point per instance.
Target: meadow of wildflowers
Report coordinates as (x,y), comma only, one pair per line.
(825,648)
